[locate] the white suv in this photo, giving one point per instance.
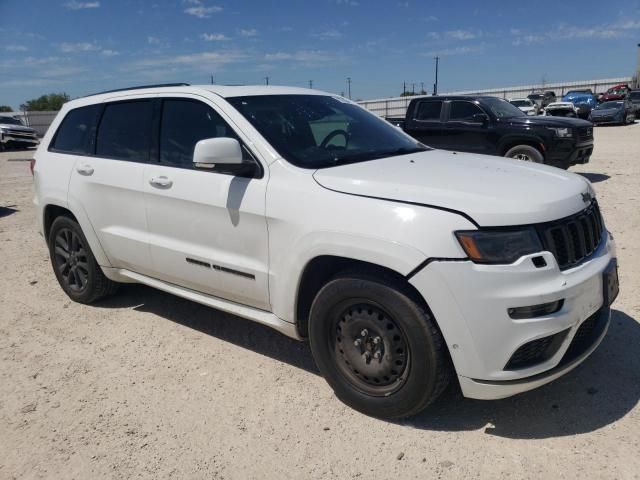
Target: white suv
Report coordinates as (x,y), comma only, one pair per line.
(298,209)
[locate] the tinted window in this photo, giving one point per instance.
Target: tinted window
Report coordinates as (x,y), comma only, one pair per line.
(463,111)
(635,95)
(184,123)
(429,111)
(10,121)
(77,130)
(125,131)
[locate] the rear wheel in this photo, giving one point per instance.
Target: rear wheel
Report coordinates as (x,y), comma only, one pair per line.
(377,347)
(525,153)
(74,265)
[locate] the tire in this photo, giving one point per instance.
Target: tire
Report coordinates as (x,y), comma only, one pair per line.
(525,153)
(378,348)
(74,265)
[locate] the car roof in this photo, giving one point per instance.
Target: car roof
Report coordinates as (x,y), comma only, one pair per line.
(224,91)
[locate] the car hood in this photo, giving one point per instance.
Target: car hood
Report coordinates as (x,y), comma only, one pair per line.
(528,121)
(18,128)
(493,191)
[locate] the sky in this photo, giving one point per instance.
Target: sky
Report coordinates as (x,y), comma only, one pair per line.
(85,46)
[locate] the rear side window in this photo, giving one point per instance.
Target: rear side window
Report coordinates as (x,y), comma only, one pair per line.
(429,111)
(76,131)
(463,111)
(125,131)
(184,123)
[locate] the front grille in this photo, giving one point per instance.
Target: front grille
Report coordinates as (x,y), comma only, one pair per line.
(536,351)
(585,133)
(573,239)
(19,133)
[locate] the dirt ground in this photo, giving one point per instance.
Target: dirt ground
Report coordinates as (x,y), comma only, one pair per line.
(147,385)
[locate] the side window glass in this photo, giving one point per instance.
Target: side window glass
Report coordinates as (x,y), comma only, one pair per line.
(76,131)
(463,111)
(184,123)
(124,132)
(429,111)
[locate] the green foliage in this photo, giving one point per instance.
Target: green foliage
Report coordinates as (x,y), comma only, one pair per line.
(5,108)
(49,102)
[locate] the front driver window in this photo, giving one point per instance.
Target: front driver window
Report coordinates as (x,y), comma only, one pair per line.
(184,123)
(463,111)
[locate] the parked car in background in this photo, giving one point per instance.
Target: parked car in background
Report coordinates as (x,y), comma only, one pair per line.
(542,99)
(406,268)
(527,106)
(634,96)
(582,100)
(13,134)
(492,126)
(561,109)
(619,92)
(619,112)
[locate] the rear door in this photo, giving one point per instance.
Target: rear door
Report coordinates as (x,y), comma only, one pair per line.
(207,227)
(108,184)
(426,125)
(465,131)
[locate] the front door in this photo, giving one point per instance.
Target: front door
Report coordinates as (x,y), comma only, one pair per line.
(466,131)
(207,228)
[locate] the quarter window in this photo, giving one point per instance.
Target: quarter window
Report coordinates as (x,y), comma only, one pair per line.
(463,111)
(184,123)
(429,111)
(76,132)
(125,131)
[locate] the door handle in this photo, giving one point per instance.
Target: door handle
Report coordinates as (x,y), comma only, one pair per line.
(161,182)
(85,170)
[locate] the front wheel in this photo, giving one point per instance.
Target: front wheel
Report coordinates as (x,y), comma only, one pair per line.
(525,153)
(74,265)
(378,348)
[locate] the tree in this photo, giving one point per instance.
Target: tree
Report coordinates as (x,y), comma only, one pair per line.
(5,108)
(49,102)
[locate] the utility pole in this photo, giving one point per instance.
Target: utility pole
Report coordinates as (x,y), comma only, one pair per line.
(413,88)
(404,88)
(421,88)
(310,83)
(435,85)
(266,80)
(349,86)
(211,79)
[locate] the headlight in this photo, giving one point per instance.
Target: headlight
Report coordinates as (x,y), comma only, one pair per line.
(499,246)
(562,132)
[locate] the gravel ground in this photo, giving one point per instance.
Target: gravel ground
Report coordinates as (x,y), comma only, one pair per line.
(148,385)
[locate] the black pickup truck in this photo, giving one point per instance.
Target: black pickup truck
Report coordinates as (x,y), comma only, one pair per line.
(493,126)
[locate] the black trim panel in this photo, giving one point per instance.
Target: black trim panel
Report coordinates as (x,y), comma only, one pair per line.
(413,272)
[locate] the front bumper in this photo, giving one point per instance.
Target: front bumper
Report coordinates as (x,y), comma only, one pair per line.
(470,303)
(565,153)
(27,141)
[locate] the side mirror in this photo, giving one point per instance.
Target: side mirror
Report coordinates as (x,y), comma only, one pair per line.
(481,118)
(217,151)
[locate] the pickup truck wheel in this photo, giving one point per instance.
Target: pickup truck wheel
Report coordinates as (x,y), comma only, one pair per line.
(74,265)
(377,348)
(525,153)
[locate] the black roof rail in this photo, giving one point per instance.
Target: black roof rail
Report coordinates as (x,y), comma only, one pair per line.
(141,87)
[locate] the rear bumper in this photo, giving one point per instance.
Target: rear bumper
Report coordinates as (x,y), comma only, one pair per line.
(470,302)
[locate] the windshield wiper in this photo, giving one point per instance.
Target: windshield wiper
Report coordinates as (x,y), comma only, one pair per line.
(365,156)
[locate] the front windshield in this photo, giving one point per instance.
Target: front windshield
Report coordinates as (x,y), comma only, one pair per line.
(635,95)
(520,103)
(10,121)
(535,96)
(318,131)
(501,108)
(606,105)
